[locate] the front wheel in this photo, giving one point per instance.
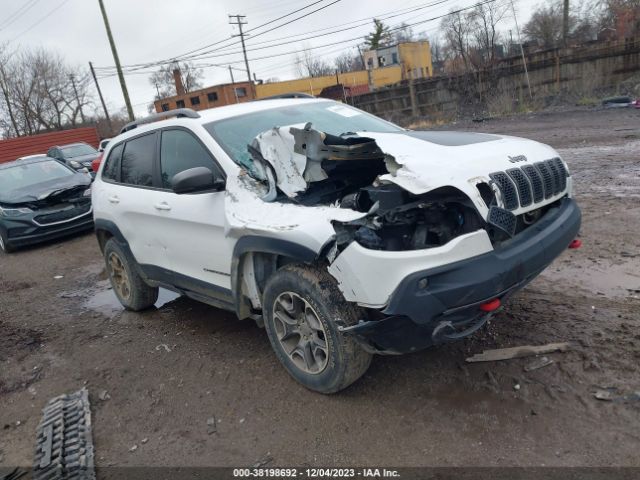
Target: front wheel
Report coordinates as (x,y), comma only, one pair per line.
(303,308)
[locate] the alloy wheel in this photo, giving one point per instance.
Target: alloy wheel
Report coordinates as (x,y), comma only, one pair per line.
(300,332)
(119,276)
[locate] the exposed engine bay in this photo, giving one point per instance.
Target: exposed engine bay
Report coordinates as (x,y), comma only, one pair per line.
(298,164)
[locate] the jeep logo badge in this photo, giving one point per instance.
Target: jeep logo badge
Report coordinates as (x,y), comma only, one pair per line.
(517,158)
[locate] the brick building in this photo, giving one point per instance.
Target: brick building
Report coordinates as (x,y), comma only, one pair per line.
(214,96)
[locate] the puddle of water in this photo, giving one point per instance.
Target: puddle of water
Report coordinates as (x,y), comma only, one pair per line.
(107,303)
(612,280)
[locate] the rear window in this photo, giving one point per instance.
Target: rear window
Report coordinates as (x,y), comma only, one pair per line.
(137,161)
(77,151)
(24,176)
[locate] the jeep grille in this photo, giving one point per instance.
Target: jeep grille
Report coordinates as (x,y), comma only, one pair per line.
(531,183)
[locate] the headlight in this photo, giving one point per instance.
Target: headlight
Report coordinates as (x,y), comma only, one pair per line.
(75,164)
(14,212)
(87,192)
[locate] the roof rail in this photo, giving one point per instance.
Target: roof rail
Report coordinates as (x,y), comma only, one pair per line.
(288,95)
(154,117)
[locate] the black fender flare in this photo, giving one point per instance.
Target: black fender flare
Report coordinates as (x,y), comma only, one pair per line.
(259,244)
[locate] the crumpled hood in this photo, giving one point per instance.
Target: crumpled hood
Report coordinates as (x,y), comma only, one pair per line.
(293,158)
(41,190)
(424,161)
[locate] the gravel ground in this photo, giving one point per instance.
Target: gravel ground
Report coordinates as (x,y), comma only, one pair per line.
(163,373)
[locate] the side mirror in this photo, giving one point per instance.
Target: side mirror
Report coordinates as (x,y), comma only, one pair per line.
(196,180)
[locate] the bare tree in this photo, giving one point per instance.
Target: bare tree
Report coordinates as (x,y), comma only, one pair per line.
(347,62)
(40,92)
(457,36)
(619,16)
(403,34)
(164,81)
(545,25)
(308,65)
(484,20)
(7,116)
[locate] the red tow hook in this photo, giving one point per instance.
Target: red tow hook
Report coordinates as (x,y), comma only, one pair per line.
(577,243)
(491,305)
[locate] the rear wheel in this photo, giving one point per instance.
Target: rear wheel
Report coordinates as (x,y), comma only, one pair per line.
(303,309)
(131,290)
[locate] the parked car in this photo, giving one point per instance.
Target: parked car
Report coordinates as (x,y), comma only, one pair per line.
(103,144)
(77,155)
(343,234)
(95,164)
(28,157)
(41,199)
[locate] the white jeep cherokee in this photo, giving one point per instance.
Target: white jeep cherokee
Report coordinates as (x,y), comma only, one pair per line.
(343,234)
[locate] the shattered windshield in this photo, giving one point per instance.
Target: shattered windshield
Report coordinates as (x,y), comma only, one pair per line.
(234,134)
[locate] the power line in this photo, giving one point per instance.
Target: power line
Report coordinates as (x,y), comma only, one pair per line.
(41,20)
(383,16)
(223,53)
(431,19)
(17,14)
(188,54)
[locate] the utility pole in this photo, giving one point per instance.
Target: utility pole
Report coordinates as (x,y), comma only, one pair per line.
(240,21)
(104,106)
(158,90)
(233,83)
(75,90)
(524,60)
(123,85)
(565,23)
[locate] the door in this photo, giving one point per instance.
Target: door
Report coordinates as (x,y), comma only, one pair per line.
(193,224)
(135,202)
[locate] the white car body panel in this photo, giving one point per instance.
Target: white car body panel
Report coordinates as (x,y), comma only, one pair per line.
(200,232)
(426,166)
(369,277)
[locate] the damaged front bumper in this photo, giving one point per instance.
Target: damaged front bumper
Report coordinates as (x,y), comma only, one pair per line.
(442,304)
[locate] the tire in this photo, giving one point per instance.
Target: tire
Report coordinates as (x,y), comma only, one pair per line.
(131,290)
(4,245)
(294,289)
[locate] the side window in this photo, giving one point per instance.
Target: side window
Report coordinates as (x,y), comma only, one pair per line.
(111,166)
(179,150)
(137,161)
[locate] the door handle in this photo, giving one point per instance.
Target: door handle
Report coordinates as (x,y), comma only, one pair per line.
(162,206)
(114,199)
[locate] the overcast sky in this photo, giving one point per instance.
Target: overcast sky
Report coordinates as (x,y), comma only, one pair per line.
(155,30)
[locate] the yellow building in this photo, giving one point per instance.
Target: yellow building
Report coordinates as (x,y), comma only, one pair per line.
(414,58)
(314,85)
(385,66)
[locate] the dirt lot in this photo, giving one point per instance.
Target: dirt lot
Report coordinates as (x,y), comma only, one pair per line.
(168,370)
